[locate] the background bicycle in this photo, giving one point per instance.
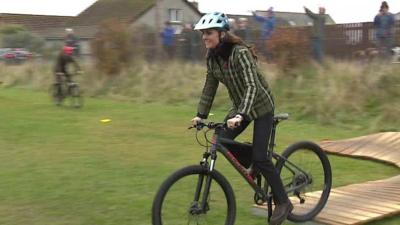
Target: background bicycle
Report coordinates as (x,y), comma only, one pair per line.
(199,194)
(63,89)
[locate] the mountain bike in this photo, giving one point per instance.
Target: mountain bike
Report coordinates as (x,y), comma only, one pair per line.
(199,194)
(63,89)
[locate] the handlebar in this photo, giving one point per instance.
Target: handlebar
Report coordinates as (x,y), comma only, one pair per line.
(210,125)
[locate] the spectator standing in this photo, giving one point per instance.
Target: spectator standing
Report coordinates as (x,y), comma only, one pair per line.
(233,25)
(317,33)
(242,31)
(383,23)
(72,41)
(268,26)
(186,42)
(168,39)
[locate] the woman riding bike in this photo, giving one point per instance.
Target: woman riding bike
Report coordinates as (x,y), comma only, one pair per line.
(233,63)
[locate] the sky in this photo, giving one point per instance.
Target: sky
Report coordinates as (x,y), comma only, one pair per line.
(342,11)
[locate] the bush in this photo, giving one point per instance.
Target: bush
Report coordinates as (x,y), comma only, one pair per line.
(289,47)
(112,47)
(145,42)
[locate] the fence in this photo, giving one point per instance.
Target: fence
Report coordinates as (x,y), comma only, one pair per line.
(342,40)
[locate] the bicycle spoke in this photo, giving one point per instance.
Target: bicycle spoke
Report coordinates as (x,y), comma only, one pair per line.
(304,175)
(179,201)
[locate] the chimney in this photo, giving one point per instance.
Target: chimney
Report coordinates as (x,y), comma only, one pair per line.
(195,4)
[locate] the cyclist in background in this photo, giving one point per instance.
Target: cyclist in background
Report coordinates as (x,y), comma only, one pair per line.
(233,63)
(63,60)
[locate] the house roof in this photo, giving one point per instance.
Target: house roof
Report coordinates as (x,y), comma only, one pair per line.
(284,18)
(124,10)
(35,23)
(84,32)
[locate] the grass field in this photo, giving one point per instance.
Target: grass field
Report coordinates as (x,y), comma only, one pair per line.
(62,166)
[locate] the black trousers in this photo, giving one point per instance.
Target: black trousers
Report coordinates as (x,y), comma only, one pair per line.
(261,136)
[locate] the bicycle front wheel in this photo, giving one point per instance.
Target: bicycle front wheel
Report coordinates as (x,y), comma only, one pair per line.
(180,199)
(307,177)
(56,93)
(76,99)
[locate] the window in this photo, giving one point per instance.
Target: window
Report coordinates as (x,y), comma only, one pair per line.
(175,15)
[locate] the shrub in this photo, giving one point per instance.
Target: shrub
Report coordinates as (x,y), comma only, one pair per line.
(112,47)
(289,47)
(13,36)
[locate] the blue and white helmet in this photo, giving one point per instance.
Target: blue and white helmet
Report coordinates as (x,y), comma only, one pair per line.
(213,20)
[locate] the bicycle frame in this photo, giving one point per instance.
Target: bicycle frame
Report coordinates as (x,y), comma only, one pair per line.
(217,146)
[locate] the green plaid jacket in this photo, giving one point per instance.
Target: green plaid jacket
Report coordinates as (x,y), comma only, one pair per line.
(248,90)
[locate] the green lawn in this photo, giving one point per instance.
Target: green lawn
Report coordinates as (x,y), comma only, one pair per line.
(62,166)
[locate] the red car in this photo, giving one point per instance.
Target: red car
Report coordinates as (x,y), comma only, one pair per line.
(14,55)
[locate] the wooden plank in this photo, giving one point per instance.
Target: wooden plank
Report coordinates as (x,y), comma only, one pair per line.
(339,215)
(358,211)
(354,204)
(377,194)
(342,216)
(341,197)
(382,204)
(363,198)
(376,188)
(339,211)
(329,221)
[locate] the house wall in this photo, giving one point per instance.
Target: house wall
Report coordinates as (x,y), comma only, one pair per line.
(189,15)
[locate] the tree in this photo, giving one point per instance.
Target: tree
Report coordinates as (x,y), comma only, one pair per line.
(14,36)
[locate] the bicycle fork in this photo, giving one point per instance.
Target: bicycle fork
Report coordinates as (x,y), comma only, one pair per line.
(203,187)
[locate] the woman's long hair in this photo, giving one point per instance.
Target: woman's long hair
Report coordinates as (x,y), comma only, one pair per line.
(234,39)
(226,44)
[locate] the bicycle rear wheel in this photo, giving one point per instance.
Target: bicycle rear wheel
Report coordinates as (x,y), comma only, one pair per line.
(307,178)
(76,99)
(179,199)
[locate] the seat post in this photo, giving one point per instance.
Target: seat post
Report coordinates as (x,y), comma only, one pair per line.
(271,143)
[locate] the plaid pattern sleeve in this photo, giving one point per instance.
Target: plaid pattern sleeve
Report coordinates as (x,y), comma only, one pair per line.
(208,94)
(249,71)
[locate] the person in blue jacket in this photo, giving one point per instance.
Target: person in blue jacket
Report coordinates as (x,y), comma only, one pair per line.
(384,23)
(168,39)
(268,26)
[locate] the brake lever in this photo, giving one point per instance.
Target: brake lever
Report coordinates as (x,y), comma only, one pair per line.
(198,126)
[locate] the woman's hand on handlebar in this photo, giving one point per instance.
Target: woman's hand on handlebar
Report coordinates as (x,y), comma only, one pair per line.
(196,121)
(234,122)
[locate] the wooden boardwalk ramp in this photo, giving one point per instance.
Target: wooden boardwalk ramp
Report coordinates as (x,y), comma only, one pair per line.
(381,146)
(362,203)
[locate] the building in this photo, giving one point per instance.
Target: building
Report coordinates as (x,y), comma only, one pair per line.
(85,25)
